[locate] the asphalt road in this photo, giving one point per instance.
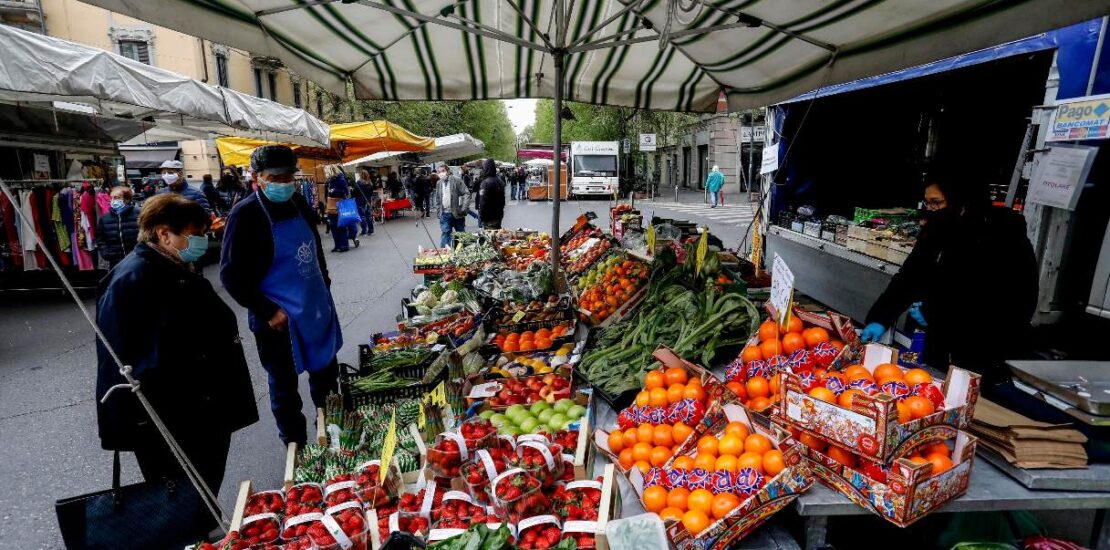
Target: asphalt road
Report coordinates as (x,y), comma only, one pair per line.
(48,443)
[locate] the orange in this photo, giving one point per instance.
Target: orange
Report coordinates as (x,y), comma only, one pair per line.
(512,337)
(917,376)
(886,372)
(675,393)
(645,433)
(731,444)
(510,346)
(526,345)
(680,432)
(663,435)
(543,343)
(660,455)
(751,353)
(727,462)
(776,380)
(675,375)
(751,460)
(903,412)
(759,404)
(738,389)
(917,459)
(841,455)
(695,392)
(845,398)
(527,335)
(815,335)
(859,376)
(626,459)
(630,438)
(677,498)
(695,521)
(643,466)
(768,330)
(812,441)
(695,381)
(756,443)
(705,461)
(708,444)
(856,371)
(641,451)
(771,348)
(794,325)
(823,394)
(836,375)
(683,463)
(655,498)
(723,504)
(793,342)
(616,441)
(919,406)
(643,398)
(941,463)
(736,428)
(654,379)
(670,513)
(700,499)
(658,398)
(939,447)
(758,386)
(773,462)
(543,333)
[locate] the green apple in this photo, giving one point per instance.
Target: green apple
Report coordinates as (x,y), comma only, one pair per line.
(486,414)
(556,421)
(509,429)
(540,406)
(575,412)
(545,415)
(528,424)
(498,420)
(513,409)
(562,405)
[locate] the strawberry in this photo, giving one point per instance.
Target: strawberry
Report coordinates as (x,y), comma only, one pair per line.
(261,530)
(264,502)
(304,498)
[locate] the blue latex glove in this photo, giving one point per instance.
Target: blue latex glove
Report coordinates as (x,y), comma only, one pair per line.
(915,313)
(872,332)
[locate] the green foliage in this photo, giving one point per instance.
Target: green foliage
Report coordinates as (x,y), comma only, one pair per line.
(605,123)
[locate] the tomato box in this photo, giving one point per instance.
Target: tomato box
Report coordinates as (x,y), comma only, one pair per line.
(762,496)
(909,492)
(872,424)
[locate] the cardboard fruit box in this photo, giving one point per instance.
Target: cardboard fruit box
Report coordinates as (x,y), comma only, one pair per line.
(871,426)
(774,495)
(910,491)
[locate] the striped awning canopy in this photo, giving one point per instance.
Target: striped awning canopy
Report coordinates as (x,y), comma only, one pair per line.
(658,54)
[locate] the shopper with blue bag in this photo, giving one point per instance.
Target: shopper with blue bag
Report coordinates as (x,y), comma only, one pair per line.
(342,211)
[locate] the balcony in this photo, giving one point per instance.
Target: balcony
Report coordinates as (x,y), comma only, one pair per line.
(23,14)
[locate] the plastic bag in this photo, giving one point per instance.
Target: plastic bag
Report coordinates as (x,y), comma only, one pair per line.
(348,213)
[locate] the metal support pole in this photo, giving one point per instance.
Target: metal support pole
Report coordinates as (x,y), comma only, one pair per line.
(558,55)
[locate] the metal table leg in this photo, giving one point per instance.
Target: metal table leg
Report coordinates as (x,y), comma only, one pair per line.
(816,529)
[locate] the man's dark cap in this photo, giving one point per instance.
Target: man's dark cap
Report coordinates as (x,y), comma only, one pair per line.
(277,159)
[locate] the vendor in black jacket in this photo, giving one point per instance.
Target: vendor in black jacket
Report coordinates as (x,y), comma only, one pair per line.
(970,282)
(273,265)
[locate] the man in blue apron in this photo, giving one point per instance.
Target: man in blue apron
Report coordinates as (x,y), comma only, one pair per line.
(272,263)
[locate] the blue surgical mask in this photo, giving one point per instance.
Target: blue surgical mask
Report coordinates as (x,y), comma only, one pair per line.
(118,204)
(198,245)
(279,192)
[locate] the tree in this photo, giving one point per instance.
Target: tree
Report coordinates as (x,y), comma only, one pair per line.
(605,123)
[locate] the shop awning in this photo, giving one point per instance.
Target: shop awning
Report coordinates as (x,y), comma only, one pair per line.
(40,69)
(350,141)
(643,53)
(548,154)
(447,148)
(147,156)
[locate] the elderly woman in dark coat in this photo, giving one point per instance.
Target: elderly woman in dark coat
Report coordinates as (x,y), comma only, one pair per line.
(166,322)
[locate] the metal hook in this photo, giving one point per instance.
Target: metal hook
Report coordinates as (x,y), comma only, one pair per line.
(132,384)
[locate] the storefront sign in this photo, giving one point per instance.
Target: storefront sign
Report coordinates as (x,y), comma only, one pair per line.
(770,159)
(1060,174)
(42,167)
(626,146)
(746,133)
(1081,118)
(782,289)
(647,143)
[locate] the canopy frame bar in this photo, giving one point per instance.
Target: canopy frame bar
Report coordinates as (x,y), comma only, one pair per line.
(615,39)
(452,25)
(753,21)
(292,7)
(601,26)
(531,24)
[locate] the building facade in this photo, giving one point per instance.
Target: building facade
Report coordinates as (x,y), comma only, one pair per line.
(194,57)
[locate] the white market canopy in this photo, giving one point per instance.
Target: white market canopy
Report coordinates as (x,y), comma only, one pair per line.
(447,148)
(73,77)
(658,54)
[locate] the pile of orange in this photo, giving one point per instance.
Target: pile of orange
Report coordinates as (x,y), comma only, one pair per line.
(614,289)
(528,340)
(734,450)
(650,445)
(910,407)
(938,454)
(758,393)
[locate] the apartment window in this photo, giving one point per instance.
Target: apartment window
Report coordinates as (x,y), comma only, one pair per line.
(297,95)
(221,71)
(135,49)
(273,85)
(258,83)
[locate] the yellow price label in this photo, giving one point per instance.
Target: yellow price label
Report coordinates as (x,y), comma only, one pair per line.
(389,444)
(439,395)
(649,236)
(703,248)
(421,419)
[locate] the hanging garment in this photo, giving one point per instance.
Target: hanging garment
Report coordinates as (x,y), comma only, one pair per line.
(59,227)
(65,205)
(103,203)
(27,233)
(44,206)
(88,214)
(9,234)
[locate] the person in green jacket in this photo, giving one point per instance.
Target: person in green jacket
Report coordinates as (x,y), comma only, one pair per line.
(713,184)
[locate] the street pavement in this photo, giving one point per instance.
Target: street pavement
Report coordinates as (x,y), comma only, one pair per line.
(48,443)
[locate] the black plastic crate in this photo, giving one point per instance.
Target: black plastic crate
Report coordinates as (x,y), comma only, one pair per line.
(365,352)
(565,313)
(354,397)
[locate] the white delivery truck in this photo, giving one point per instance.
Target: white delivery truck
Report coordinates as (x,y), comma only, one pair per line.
(594,168)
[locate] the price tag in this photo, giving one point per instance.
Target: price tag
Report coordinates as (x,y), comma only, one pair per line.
(649,236)
(441,394)
(389,443)
(703,247)
(518,316)
(782,289)
(421,419)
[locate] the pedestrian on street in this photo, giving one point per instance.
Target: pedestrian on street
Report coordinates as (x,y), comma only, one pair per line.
(117,231)
(211,195)
(173,174)
(337,190)
(273,265)
(364,193)
(393,185)
(198,383)
(491,197)
(454,202)
(714,183)
(422,189)
(231,190)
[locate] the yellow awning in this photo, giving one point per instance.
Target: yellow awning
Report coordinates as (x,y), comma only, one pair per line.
(349,141)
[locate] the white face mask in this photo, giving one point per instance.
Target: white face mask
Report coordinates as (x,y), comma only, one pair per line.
(170,178)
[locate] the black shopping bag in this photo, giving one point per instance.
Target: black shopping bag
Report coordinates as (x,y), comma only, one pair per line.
(149,515)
